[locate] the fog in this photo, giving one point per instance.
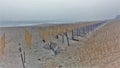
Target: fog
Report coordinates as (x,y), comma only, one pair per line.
(61,10)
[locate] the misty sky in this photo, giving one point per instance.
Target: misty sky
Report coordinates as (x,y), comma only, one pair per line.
(71,10)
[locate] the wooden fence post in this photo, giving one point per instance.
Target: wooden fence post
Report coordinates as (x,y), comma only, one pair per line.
(28,38)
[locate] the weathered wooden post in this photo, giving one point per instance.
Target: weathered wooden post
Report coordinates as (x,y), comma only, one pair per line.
(2,44)
(22,58)
(67,38)
(28,38)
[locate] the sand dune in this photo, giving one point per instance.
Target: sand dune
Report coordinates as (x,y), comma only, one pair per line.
(102,50)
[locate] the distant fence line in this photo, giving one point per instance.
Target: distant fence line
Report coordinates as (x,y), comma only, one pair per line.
(46,32)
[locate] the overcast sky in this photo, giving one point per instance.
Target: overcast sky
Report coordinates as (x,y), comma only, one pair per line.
(72,10)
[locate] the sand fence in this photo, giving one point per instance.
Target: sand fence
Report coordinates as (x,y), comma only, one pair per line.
(48,33)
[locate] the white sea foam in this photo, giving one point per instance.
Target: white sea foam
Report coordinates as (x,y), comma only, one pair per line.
(23,23)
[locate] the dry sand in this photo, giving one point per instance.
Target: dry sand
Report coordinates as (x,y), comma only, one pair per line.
(99,49)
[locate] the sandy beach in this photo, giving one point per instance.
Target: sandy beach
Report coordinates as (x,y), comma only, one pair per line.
(59,33)
(99,48)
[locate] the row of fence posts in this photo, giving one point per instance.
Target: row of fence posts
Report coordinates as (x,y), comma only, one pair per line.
(45,32)
(62,31)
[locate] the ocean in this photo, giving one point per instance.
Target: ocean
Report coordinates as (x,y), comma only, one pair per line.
(27,23)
